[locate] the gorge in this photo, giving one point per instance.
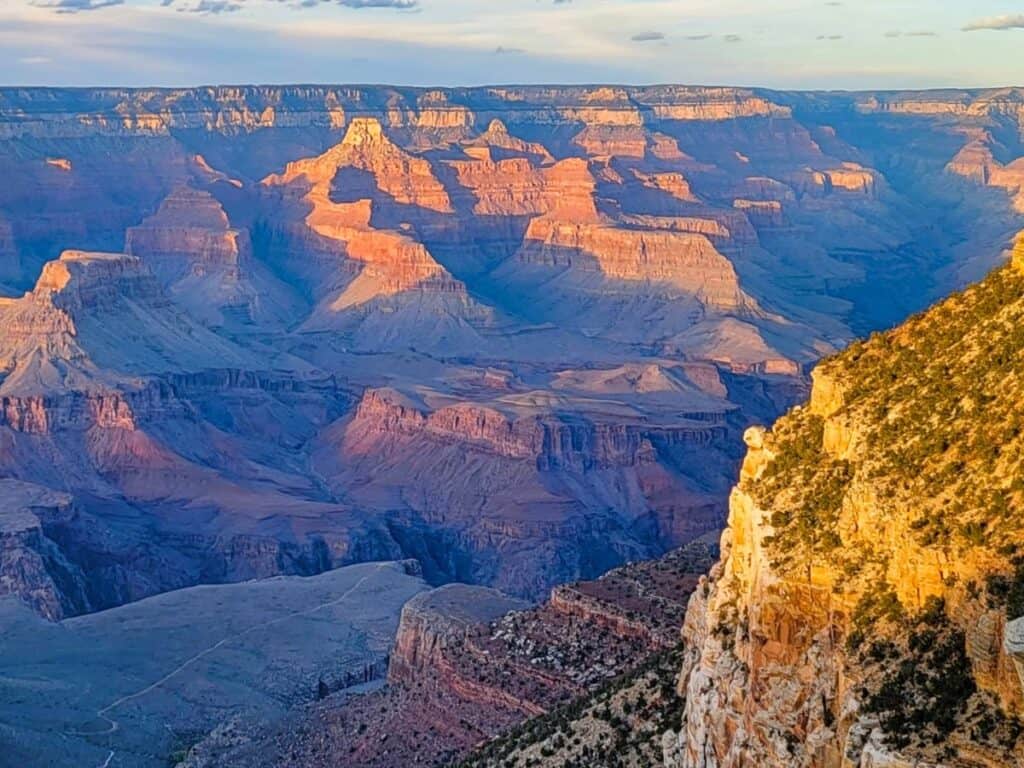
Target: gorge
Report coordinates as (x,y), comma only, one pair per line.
(517,337)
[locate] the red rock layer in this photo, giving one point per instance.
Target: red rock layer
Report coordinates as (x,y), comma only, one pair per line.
(515,187)
(541,438)
(383,262)
(405,178)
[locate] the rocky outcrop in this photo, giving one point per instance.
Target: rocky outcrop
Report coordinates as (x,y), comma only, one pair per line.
(977,162)
(674,184)
(406,179)
(572,602)
(432,635)
(32,567)
(192,229)
(545,440)
(839,574)
(381,271)
(687,263)
(498,138)
(849,178)
(515,187)
(1013,645)
(85,281)
(97,319)
(767,213)
(206,265)
(161,400)
(613,140)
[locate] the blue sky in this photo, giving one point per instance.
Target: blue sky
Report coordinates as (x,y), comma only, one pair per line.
(774,43)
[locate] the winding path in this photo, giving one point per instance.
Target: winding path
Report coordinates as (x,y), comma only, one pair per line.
(113,725)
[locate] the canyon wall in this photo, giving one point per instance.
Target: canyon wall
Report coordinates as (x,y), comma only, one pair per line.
(867,607)
(513,332)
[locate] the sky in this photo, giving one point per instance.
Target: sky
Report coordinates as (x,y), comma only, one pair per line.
(838,44)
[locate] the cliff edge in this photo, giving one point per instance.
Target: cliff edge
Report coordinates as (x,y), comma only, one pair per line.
(868,609)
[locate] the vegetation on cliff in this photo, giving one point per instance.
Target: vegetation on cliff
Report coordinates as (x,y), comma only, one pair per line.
(899,489)
(619,725)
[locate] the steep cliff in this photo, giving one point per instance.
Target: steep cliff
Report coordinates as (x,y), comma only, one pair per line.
(32,566)
(534,488)
(868,607)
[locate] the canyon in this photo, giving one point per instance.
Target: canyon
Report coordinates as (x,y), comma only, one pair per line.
(468,664)
(513,334)
(868,604)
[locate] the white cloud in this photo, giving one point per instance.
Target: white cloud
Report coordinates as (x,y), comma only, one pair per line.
(75,6)
(998,23)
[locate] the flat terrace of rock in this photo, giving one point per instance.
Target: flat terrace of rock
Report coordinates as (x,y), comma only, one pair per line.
(135,684)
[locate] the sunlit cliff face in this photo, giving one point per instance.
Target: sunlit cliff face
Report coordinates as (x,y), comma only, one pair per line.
(873,556)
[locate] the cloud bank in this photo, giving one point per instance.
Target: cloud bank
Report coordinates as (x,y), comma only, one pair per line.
(74,6)
(997,23)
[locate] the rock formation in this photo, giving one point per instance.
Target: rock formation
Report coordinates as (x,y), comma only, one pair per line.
(31,565)
(207,265)
(470,664)
(867,607)
(469,466)
(380,270)
(406,179)
(977,162)
(514,332)
(95,318)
